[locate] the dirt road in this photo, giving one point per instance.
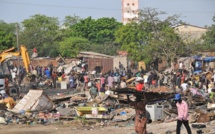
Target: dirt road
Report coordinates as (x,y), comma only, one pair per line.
(155,128)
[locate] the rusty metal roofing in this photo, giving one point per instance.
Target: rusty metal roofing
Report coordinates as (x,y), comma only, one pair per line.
(93,55)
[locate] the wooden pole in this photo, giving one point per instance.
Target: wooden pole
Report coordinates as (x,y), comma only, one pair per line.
(17,42)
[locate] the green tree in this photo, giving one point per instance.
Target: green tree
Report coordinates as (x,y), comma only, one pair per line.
(7,35)
(106,48)
(69,21)
(98,31)
(169,46)
(151,38)
(41,32)
(70,47)
(132,39)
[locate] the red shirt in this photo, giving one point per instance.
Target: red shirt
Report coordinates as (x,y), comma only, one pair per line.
(153,82)
(54,76)
(139,86)
(86,79)
(35,50)
(98,85)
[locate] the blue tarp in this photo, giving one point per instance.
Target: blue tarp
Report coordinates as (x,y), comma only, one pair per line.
(205,59)
(197,72)
(197,57)
(209,59)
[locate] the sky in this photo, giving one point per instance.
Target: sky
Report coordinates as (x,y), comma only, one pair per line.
(194,12)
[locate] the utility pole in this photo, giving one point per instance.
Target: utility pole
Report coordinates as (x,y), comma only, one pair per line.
(17,42)
(18,68)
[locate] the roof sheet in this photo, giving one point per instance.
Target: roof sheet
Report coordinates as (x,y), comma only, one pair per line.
(95,54)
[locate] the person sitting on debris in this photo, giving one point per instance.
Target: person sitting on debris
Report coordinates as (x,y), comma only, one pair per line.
(8,101)
(182,108)
(93,91)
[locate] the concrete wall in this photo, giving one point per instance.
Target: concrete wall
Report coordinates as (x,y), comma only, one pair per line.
(122,59)
(189,32)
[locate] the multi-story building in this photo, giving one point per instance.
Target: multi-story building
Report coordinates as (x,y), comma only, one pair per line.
(129,10)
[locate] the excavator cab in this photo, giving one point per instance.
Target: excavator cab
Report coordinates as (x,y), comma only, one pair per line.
(5,68)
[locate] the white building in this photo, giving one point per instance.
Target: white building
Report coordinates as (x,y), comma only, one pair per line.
(129,10)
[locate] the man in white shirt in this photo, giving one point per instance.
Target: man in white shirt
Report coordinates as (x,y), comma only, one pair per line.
(145,77)
(123,84)
(184,86)
(13,74)
(180,66)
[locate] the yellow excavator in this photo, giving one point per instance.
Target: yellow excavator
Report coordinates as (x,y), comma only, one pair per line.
(4,68)
(9,53)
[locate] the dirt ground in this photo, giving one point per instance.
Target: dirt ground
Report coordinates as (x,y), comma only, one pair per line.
(155,128)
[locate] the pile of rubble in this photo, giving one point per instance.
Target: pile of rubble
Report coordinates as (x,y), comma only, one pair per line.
(38,108)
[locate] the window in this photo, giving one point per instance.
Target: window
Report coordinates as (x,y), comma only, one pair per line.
(133,11)
(127,4)
(127,11)
(132,4)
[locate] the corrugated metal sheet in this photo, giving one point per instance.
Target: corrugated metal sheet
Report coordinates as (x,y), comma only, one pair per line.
(105,63)
(35,100)
(93,55)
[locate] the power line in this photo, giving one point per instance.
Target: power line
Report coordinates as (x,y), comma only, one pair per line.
(44,5)
(189,0)
(189,12)
(98,8)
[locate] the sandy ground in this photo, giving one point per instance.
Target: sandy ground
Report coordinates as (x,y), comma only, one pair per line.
(155,128)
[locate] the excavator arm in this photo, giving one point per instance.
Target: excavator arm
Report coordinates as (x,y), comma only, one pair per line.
(9,53)
(25,57)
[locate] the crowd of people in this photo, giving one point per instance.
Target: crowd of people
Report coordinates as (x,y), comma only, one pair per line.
(181,80)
